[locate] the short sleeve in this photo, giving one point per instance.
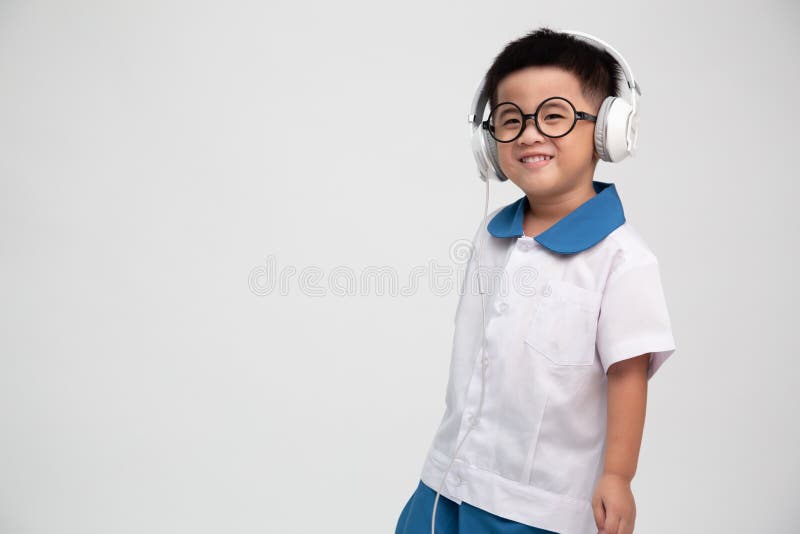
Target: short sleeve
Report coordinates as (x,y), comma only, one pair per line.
(634,319)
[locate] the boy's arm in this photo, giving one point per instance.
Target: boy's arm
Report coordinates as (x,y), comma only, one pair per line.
(627,400)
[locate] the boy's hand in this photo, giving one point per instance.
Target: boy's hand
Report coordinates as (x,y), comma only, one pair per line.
(613,505)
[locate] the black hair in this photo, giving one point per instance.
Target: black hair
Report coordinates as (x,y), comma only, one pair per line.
(599,73)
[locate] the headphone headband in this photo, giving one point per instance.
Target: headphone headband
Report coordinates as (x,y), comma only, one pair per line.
(633,85)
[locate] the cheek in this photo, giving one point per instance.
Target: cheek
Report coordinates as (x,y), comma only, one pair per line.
(504,153)
(587,145)
(578,149)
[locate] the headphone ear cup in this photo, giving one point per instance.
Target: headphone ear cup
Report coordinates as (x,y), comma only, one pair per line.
(481,156)
(601,129)
(611,129)
(491,146)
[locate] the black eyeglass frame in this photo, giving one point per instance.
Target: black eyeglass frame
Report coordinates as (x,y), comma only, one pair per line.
(579,116)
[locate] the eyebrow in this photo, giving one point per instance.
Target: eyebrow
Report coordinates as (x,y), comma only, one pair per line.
(520,107)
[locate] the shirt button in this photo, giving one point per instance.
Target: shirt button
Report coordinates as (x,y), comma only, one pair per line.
(502,307)
(485,361)
(547,290)
(524,245)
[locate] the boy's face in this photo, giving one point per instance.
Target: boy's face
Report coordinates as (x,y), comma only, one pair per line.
(574,156)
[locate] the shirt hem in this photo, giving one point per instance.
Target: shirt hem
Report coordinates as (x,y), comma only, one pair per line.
(507,498)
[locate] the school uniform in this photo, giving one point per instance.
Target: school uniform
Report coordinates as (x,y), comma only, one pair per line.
(562,307)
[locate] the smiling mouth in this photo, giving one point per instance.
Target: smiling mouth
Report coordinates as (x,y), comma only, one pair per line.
(535,162)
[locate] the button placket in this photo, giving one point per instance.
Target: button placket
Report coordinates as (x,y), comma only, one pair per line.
(472,401)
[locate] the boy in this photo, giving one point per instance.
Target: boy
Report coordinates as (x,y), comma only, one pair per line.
(555,431)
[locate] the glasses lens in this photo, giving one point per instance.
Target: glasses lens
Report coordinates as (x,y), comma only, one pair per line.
(556,117)
(505,122)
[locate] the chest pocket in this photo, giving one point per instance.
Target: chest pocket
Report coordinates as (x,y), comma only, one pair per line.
(563,327)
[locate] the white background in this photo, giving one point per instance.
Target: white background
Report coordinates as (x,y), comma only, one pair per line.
(154,155)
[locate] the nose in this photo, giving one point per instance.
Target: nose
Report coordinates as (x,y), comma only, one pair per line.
(531,134)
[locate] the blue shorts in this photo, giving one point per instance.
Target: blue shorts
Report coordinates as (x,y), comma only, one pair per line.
(452,518)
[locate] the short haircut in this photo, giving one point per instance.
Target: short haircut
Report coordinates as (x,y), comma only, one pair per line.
(599,73)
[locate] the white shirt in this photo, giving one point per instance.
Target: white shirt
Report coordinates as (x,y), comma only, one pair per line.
(561,309)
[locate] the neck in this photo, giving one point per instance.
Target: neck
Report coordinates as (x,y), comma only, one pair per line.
(541,213)
(561,204)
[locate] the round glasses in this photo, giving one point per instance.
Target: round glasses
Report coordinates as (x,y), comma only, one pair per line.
(555,117)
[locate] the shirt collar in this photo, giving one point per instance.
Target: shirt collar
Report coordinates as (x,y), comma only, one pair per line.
(580,229)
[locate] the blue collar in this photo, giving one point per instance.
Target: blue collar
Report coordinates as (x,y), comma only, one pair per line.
(580,229)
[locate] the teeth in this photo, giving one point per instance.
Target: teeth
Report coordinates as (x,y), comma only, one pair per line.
(533,159)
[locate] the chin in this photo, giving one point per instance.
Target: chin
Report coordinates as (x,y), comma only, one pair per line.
(536,181)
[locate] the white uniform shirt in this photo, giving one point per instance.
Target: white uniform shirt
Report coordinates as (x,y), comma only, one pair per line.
(561,308)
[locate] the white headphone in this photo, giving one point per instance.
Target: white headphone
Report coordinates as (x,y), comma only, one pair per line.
(615,137)
(615,132)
